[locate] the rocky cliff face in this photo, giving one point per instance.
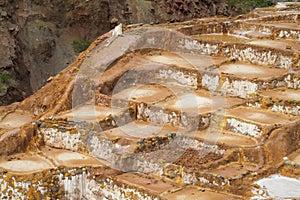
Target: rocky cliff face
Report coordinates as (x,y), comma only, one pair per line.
(37,35)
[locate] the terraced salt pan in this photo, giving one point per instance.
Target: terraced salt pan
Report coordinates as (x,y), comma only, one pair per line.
(188,61)
(191,193)
(15,120)
(259,116)
(234,170)
(271,13)
(199,101)
(140,129)
(69,158)
(284,94)
(144,93)
(245,70)
(129,134)
(277,44)
(251,33)
(192,101)
(221,38)
(24,163)
(183,109)
(147,183)
(145,130)
(170,58)
(189,102)
(293,26)
(89,112)
(279,187)
(227,138)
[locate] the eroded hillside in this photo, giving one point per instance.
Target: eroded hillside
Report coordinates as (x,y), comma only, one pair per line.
(40,38)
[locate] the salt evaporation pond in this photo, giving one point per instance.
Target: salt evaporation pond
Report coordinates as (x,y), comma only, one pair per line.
(277,186)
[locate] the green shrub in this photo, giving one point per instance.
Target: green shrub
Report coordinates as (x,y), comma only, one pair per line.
(80,45)
(4,78)
(243,6)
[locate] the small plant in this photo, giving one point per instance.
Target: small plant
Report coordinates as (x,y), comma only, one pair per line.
(41,24)
(4,78)
(80,45)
